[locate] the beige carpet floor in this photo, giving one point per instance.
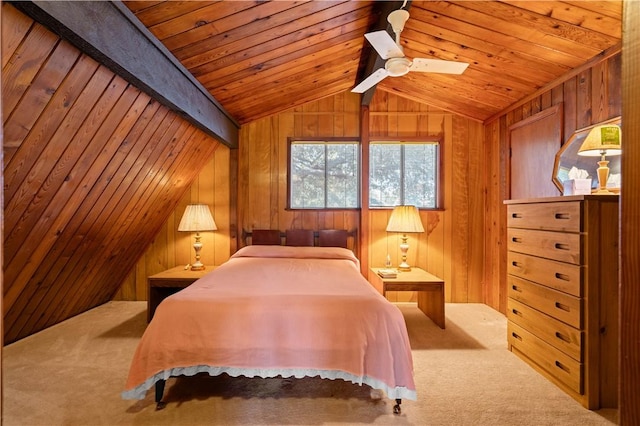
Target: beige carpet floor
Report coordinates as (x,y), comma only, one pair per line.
(73,373)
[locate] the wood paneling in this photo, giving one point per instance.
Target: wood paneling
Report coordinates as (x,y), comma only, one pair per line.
(580,109)
(260,58)
(630,224)
(8,46)
(171,248)
(92,168)
(534,142)
(262,165)
(452,247)
(123,46)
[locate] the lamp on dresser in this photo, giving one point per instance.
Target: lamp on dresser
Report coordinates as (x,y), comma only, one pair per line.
(404,220)
(197,218)
(602,141)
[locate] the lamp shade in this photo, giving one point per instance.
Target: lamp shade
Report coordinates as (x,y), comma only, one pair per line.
(405,219)
(605,139)
(196,218)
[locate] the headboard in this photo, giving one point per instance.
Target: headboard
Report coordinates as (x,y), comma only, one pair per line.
(302,237)
(299,237)
(261,237)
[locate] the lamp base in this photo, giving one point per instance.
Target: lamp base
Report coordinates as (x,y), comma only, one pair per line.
(404,248)
(603,177)
(403,268)
(197,246)
(604,191)
(196,267)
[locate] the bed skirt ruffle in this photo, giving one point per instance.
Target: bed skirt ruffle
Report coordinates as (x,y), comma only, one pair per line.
(397,392)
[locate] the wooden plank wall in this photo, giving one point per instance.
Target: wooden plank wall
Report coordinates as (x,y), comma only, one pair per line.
(453,245)
(262,165)
(589,96)
(171,248)
(92,169)
(1,249)
(629,378)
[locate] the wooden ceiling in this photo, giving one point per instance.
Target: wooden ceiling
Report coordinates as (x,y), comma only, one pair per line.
(258,58)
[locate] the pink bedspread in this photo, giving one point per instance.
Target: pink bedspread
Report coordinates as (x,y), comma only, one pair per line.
(277,310)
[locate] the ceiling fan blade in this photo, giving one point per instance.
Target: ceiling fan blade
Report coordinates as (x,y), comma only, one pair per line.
(384,44)
(375,78)
(438,65)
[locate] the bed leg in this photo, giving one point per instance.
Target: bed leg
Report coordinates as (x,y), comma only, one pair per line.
(396,408)
(159,392)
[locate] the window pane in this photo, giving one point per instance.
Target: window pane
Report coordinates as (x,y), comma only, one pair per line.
(342,175)
(324,175)
(403,174)
(307,175)
(384,175)
(420,175)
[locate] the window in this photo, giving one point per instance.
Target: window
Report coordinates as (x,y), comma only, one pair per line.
(324,174)
(404,173)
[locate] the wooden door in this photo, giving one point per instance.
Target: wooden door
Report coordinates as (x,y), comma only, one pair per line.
(534,143)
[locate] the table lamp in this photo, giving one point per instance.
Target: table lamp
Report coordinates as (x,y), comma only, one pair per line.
(196,218)
(404,219)
(601,141)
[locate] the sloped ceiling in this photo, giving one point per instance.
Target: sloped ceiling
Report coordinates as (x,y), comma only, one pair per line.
(259,58)
(92,167)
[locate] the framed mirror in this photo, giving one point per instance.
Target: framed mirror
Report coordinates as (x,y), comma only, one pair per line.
(567,157)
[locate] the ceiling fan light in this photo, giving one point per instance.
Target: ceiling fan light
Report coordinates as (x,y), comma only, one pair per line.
(397,67)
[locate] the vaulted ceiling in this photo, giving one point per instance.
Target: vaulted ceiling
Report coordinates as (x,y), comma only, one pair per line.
(258,58)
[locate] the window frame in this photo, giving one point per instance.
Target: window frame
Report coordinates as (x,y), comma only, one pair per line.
(439,199)
(293,140)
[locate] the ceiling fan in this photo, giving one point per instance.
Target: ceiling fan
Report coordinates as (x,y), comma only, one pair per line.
(397,64)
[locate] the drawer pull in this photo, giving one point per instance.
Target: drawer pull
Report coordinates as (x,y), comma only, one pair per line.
(516,239)
(563,277)
(516,264)
(560,246)
(516,288)
(562,216)
(563,367)
(516,312)
(515,335)
(562,337)
(516,215)
(563,307)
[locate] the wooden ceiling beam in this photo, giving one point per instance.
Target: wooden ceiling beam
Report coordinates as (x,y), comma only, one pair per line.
(373,60)
(127,47)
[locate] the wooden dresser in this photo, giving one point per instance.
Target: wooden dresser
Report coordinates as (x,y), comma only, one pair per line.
(562,278)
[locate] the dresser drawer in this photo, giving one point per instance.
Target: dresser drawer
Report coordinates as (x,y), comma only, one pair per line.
(561,216)
(556,304)
(557,275)
(559,365)
(560,246)
(558,334)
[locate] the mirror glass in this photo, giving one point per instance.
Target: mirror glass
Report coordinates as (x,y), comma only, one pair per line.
(567,157)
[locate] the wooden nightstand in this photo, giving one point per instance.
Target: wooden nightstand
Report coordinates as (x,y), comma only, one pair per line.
(167,282)
(430,290)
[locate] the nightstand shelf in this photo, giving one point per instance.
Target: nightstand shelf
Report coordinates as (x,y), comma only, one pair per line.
(430,290)
(168,282)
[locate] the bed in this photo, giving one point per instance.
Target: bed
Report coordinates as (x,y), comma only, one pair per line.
(278,310)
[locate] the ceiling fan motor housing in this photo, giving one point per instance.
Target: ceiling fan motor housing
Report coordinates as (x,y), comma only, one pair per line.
(397,67)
